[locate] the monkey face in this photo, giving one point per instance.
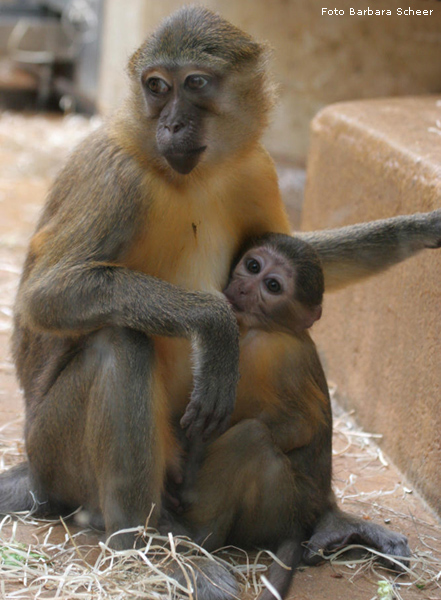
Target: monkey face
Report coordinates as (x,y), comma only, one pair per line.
(263,292)
(201,115)
(201,93)
(178,99)
(261,288)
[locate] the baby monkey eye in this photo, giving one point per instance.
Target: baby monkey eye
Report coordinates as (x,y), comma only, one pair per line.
(157,86)
(273,286)
(252,265)
(196,82)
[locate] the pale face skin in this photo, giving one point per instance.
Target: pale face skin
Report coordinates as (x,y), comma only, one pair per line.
(261,287)
(262,292)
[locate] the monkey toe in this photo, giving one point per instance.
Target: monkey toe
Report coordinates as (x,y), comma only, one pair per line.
(210,580)
(395,545)
(389,543)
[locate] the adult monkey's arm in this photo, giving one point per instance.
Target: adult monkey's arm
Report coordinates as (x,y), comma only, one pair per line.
(358,251)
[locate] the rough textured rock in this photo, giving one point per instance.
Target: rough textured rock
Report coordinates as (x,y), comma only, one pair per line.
(380,339)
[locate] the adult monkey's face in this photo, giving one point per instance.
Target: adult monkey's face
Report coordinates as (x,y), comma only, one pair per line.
(201,92)
(179,100)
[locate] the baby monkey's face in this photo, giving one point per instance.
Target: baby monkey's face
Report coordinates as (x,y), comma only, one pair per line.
(262,290)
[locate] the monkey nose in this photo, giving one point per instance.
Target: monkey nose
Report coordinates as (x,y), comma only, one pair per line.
(174,127)
(177,127)
(246,287)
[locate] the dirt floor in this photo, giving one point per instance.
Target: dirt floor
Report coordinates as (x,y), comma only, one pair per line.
(32,149)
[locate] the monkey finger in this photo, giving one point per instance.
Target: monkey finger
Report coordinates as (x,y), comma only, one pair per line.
(195,419)
(210,406)
(191,422)
(172,501)
(435,225)
(196,428)
(207,425)
(200,426)
(218,427)
(189,416)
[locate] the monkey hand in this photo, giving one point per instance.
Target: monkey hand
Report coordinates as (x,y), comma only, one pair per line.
(211,405)
(216,373)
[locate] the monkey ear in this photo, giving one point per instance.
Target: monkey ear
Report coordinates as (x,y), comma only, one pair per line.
(309,317)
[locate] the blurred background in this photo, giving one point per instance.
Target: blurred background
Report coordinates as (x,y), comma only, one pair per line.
(50,53)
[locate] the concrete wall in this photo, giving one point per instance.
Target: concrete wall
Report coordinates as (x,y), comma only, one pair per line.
(380,339)
(317,59)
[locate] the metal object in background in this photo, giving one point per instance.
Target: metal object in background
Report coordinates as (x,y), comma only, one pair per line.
(58,42)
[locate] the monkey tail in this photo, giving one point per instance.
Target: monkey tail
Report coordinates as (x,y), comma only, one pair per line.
(290,553)
(15,489)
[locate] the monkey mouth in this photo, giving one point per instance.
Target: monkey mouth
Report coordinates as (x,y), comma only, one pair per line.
(236,309)
(229,300)
(184,162)
(231,303)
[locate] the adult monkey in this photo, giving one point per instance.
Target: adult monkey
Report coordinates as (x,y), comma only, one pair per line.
(135,241)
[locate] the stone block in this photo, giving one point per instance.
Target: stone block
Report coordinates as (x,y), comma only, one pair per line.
(381,339)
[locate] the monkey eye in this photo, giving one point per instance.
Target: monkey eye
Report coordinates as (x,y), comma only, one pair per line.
(273,286)
(196,82)
(157,86)
(252,266)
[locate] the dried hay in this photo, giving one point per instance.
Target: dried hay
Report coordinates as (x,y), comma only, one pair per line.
(69,570)
(74,569)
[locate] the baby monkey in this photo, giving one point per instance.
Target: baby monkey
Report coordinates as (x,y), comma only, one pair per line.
(278,447)
(272,485)
(276,285)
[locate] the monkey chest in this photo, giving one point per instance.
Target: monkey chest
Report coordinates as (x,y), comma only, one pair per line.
(189,235)
(263,356)
(186,246)
(189,238)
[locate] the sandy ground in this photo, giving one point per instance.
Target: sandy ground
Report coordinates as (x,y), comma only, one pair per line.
(32,149)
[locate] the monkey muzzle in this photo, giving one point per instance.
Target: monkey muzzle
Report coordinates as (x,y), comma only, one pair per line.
(238,298)
(184,162)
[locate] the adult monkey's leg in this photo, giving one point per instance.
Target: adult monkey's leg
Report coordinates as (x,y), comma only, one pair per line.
(97,439)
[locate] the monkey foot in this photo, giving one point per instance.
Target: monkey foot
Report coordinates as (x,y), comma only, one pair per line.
(211,580)
(338,529)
